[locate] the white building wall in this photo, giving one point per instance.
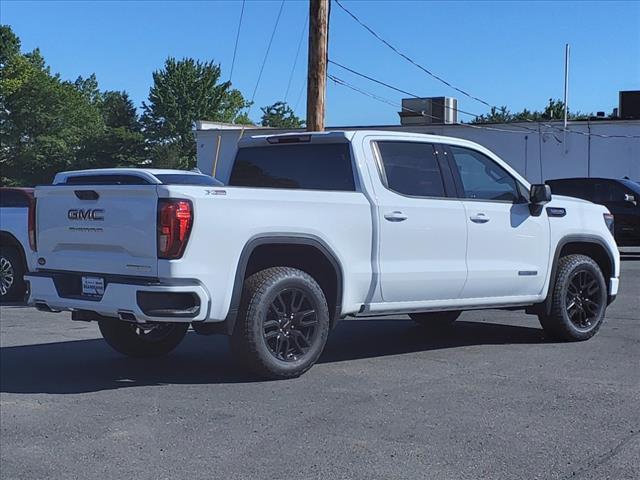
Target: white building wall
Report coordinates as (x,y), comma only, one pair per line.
(536,151)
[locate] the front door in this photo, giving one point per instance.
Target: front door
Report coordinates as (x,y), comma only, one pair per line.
(423,231)
(508,246)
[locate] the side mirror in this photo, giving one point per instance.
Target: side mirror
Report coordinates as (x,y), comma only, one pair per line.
(540,194)
(630,198)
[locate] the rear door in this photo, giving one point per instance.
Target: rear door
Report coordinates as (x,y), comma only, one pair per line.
(109,229)
(508,247)
(423,232)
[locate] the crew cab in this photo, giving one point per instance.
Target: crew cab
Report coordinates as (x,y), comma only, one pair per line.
(310,229)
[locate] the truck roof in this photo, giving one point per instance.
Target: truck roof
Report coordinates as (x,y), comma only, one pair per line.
(339,136)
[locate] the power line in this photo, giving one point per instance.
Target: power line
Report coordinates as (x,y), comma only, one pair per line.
(266,54)
(302,89)
(295,61)
(463,92)
(409,59)
(528,130)
(235,48)
(514,123)
(380,82)
(339,81)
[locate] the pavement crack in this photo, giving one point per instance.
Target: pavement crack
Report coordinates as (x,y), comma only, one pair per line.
(602,459)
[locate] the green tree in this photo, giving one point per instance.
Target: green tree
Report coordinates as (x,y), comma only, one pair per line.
(185,91)
(43,121)
(9,44)
(553,111)
(118,111)
(280,115)
(120,142)
(48,125)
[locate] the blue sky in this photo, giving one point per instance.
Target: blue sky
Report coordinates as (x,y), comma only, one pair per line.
(508,53)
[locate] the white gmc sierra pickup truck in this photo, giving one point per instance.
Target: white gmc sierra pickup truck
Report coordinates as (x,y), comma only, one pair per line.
(309,229)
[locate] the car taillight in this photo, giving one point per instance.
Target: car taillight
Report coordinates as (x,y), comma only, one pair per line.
(175,218)
(32,225)
(608,220)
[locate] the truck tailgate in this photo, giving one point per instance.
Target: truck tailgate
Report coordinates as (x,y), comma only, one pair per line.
(110,229)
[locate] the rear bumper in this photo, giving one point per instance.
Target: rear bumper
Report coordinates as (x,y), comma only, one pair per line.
(125,298)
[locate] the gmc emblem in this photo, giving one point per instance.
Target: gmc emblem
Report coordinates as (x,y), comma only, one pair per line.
(85,214)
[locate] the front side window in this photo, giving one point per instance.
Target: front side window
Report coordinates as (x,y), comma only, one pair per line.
(412,168)
(484,179)
(300,166)
(607,191)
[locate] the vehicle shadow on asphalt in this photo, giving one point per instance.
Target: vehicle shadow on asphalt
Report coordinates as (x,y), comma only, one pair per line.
(90,365)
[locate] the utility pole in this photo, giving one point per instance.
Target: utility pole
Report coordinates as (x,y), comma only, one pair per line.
(566,96)
(317,69)
(566,84)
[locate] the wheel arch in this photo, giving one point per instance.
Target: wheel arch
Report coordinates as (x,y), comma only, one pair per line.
(268,250)
(589,245)
(8,240)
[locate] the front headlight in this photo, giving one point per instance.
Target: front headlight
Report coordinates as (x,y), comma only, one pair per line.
(608,220)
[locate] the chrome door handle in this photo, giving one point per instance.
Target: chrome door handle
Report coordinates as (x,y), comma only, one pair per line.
(479,218)
(396,216)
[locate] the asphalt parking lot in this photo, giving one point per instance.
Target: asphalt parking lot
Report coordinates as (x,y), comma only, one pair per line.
(488,398)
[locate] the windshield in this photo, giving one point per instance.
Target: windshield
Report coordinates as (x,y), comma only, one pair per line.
(635,186)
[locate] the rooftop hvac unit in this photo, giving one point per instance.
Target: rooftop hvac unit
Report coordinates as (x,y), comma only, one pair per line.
(630,105)
(429,111)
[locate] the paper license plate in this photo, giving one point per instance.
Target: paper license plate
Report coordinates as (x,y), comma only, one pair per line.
(93,286)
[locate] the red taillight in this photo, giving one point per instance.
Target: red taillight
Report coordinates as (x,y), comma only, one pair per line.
(32,225)
(175,218)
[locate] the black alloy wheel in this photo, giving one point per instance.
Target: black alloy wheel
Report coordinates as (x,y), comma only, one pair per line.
(283,323)
(583,300)
(291,325)
(142,340)
(578,300)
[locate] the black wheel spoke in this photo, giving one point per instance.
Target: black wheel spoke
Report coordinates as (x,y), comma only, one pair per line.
(583,299)
(271,324)
(301,340)
(291,325)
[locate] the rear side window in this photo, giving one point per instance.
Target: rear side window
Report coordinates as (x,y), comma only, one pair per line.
(13,198)
(484,179)
(411,168)
(300,166)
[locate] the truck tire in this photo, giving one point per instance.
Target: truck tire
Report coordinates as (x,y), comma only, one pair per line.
(435,319)
(133,340)
(282,325)
(12,286)
(579,300)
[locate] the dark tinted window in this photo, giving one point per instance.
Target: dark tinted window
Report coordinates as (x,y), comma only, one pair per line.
(13,198)
(412,168)
(185,179)
(304,166)
(106,180)
(609,191)
(577,188)
(482,178)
